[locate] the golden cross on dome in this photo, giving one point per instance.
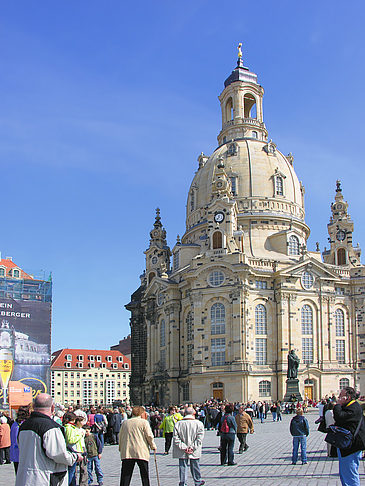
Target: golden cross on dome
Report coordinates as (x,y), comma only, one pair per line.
(239,50)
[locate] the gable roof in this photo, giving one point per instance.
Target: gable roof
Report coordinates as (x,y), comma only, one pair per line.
(321,268)
(10,265)
(59,359)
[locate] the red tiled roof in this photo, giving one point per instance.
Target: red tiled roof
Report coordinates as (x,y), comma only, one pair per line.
(59,359)
(9,265)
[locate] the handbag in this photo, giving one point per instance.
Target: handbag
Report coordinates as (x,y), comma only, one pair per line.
(322,426)
(340,437)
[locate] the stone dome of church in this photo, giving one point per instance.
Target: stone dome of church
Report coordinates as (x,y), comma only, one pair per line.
(250,172)
(263,180)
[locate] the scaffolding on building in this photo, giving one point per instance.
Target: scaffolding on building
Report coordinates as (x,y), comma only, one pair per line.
(26,289)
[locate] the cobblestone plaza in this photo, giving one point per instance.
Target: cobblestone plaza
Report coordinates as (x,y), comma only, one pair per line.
(267,461)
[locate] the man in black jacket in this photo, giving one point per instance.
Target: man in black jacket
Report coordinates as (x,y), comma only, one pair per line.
(348,414)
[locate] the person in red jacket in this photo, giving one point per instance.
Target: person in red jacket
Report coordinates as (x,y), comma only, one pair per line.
(5,441)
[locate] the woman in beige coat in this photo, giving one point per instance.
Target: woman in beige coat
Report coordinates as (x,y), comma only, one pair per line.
(135,442)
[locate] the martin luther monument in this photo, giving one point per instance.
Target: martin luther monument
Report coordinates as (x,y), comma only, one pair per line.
(292,382)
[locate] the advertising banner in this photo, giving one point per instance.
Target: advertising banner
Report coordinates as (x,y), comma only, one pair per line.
(25,346)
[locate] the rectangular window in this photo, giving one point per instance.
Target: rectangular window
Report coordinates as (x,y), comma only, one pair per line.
(163,358)
(261,351)
(234,185)
(110,391)
(340,350)
(185,391)
(176,262)
(307,350)
(190,348)
(87,386)
(261,284)
(218,351)
(340,291)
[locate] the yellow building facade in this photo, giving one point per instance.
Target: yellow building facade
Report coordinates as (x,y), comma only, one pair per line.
(243,289)
(82,377)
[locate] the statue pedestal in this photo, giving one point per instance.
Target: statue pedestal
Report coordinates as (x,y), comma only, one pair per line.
(292,388)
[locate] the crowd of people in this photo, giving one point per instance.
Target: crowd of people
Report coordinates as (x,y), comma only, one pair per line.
(53,445)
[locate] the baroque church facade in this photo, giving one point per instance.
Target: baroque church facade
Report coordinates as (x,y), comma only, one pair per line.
(243,289)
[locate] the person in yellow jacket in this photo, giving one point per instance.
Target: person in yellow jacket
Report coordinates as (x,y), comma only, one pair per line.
(74,441)
(168,425)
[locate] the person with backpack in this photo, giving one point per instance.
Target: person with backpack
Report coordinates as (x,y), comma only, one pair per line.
(100,425)
(93,450)
(227,429)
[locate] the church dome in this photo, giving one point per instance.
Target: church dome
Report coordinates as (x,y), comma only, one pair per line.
(263,180)
(254,175)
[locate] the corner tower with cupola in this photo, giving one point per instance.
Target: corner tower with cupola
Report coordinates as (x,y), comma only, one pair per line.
(244,289)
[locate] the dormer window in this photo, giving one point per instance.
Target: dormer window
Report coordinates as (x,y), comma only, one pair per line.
(293,245)
(2,272)
(192,200)
(91,358)
(176,262)
(80,357)
(109,358)
(234,185)
(16,273)
(279,186)
(120,359)
(68,357)
(98,358)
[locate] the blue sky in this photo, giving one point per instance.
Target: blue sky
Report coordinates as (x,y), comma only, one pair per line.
(105,107)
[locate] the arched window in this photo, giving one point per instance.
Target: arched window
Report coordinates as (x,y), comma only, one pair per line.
(229,109)
(344,382)
(264,388)
(2,272)
(16,273)
(341,256)
(254,134)
(279,186)
(249,106)
(340,322)
(162,333)
(217,240)
(189,326)
(293,246)
(218,319)
(307,320)
(260,319)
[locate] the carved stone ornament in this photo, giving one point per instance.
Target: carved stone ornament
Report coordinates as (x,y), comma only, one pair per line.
(270,147)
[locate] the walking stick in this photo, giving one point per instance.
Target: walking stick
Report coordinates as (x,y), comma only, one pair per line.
(158,478)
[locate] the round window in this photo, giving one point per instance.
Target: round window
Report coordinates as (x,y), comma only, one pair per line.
(154,260)
(307,280)
(216,278)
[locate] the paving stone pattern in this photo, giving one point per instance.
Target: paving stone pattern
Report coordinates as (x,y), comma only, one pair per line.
(267,461)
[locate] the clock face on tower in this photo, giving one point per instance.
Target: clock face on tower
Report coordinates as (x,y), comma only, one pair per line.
(219,217)
(340,235)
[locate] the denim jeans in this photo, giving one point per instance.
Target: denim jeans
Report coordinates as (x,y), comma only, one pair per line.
(274,416)
(194,469)
(302,440)
(72,475)
(349,468)
(96,462)
(261,416)
(227,444)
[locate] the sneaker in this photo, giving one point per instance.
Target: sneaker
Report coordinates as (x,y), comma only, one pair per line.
(232,464)
(245,449)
